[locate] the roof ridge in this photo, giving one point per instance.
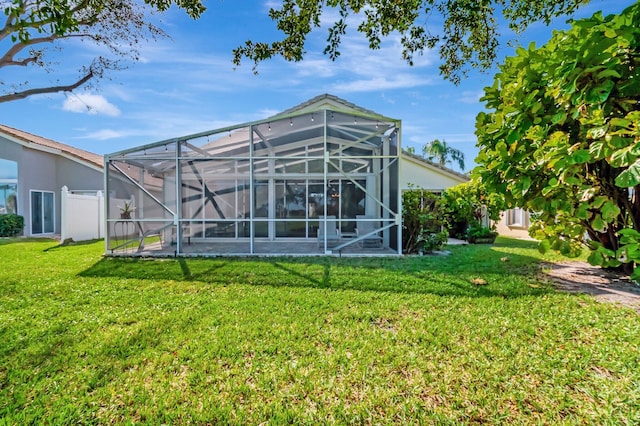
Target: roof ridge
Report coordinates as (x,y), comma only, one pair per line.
(327,96)
(434,164)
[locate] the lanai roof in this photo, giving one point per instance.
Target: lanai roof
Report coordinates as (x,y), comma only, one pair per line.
(239,132)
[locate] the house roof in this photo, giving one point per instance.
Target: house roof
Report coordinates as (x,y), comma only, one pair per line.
(431,164)
(38,142)
(327,101)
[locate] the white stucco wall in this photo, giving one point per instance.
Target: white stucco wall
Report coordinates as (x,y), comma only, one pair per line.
(425,176)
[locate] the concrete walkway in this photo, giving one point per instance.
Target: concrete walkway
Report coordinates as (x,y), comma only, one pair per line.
(456,242)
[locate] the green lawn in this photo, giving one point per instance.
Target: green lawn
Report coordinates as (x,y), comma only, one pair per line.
(87,339)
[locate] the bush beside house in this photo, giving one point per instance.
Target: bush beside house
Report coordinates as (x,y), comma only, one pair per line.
(429,219)
(424,227)
(11,225)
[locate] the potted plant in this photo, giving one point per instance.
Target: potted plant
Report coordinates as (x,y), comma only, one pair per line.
(126,210)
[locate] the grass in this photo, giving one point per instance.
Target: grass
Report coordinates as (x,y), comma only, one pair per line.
(93,340)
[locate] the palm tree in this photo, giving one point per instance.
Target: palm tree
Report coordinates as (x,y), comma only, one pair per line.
(441,153)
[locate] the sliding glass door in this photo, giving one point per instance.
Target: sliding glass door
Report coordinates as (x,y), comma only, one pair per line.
(42,212)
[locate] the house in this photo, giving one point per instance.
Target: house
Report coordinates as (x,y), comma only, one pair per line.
(324,177)
(418,172)
(514,223)
(33,170)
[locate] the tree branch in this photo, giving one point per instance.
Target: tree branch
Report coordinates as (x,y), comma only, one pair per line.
(7,58)
(43,90)
(26,19)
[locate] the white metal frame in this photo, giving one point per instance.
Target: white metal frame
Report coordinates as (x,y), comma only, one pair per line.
(385,159)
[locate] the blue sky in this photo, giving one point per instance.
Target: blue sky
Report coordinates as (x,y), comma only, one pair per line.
(187,84)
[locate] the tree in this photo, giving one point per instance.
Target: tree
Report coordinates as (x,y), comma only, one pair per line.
(33,30)
(464,205)
(468,35)
(422,221)
(442,153)
(562,138)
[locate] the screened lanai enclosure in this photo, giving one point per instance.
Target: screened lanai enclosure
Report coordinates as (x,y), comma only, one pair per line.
(322,178)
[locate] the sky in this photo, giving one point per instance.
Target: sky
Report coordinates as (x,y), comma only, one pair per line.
(187,84)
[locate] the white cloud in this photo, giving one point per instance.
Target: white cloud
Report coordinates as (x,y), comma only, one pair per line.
(90,104)
(381,83)
(105,134)
(471,97)
(267,112)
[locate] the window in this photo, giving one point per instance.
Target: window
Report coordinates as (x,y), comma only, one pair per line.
(8,187)
(517,218)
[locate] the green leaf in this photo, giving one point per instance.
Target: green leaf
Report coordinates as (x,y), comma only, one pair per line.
(580,156)
(610,211)
(598,150)
(620,142)
(572,180)
(629,236)
(544,246)
(608,73)
(598,224)
(595,258)
(623,157)
(630,232)
(559,118)
(583,211)
(526,183)
(600,93)
(501,147)
(630,177)
(620,122)
(599,201)
(610,33)
(597,132)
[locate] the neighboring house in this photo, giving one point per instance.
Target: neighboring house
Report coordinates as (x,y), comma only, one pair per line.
(33,170)
(514,223)
(323,177)
(420,173)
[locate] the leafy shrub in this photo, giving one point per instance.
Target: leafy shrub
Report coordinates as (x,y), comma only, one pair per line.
(431,241)
(478,232)
(560,137)
(423,221)
(465,204)
(11,225)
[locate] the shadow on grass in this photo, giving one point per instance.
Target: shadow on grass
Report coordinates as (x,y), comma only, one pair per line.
(16,240)
(508,275)
(72,243)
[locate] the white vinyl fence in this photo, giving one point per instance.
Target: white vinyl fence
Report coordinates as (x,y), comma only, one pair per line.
(82,215)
